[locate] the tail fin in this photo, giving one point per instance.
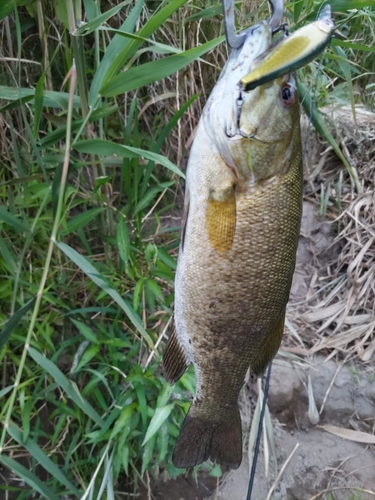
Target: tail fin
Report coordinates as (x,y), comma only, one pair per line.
(201,439)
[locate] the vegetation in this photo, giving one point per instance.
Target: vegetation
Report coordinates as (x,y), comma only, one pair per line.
(89,230)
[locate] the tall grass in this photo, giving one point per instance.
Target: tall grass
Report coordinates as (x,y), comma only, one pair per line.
(90,175)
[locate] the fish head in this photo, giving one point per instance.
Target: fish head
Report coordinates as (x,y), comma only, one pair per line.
(268,132)
(253,129)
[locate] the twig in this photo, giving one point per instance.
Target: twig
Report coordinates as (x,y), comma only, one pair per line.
(361,490)
(152,353)
(281,472)
(330,387)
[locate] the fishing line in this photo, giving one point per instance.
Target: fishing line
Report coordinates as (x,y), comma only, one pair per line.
(257,444)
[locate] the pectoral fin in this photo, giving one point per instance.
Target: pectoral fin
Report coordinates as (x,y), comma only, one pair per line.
(175,362)
(221,219)
(269,347)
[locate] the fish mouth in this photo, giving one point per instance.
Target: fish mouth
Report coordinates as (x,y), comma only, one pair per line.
(240,135)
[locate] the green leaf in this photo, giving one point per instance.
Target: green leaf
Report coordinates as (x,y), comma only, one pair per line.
(13,221)
(147,453)
(86,331)
(351,45)
(123,240)
(122,420)
(39,92)
(188,381)
(167,259)
(8,6)
(70,389)
(29,478)
(26,414)
(7,256)
(298,5)
(116,53)
(61,9)
(216,471)
(39,455)
(318,122)
(214,10)
(51,99)
(5,391)
(343,5)
(16,104)
(102,147)
(137,293)
(150,195)
(125,458)
(87,356)
(92,25)
(162,442)
(91,9)
(158,419)
(81,220)
(164,395)
(161,48)
(13,321)
(140,391)
(154,288)
(60,133)
(97,278)
(147,73)
(146,31)
(345,68)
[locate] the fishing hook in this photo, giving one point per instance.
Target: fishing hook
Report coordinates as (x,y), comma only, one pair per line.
(234,40)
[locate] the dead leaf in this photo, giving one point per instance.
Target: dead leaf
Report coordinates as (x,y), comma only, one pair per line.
(357,436)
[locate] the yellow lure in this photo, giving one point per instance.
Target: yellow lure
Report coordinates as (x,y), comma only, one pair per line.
(292,53)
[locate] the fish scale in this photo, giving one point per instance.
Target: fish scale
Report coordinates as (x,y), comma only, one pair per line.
(242,213)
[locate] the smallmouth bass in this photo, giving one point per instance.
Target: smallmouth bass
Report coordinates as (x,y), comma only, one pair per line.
(242,213)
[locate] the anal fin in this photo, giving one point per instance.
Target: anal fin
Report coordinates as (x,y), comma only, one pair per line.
(269,347)
(175,363)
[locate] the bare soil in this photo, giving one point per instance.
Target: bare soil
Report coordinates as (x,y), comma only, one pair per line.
(322,461)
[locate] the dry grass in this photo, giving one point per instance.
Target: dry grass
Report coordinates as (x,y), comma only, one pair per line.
(338,314)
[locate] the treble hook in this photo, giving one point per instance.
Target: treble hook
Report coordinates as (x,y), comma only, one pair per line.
(234,40)
(277,11)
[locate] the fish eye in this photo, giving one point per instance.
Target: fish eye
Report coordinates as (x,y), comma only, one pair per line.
(288,94)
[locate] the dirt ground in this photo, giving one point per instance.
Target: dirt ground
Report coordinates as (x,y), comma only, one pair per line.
(322,460)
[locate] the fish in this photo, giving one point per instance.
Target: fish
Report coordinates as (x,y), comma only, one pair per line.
(240,229)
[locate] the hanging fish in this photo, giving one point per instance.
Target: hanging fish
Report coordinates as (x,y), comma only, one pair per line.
(241,222)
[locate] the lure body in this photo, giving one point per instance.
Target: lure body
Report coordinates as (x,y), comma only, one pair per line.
(293,52)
